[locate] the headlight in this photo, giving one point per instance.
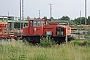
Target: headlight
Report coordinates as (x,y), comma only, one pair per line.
(49,33)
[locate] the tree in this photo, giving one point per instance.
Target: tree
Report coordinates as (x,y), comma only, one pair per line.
(64,18)
(80,20)
(89,17)
(88,20)
(51,18)
(45,18)
(28,18)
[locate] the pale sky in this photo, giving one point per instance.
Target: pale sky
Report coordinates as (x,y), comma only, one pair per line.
(60,8)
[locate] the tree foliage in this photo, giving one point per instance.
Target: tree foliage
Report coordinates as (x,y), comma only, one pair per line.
(65,18)
(45,17)
(28,18)
(81,20)
(51,17)
(88,20)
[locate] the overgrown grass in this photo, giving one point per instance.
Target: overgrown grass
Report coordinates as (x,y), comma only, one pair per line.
(20,51)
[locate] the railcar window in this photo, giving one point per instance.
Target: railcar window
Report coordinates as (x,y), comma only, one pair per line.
(31,24)
(38,23)
(34,23)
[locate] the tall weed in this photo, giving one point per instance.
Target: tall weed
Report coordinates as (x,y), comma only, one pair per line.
(46,42)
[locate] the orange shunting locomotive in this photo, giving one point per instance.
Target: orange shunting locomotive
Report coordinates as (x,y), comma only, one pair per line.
(42,28)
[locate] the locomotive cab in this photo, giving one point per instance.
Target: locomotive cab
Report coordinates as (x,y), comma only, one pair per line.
(34,30)
(35,27)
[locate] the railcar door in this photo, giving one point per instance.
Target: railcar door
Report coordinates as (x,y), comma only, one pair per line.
(60,31)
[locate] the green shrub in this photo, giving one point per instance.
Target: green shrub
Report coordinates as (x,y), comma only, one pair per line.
(46,42)
(81,43)
(76,43)
(85,43)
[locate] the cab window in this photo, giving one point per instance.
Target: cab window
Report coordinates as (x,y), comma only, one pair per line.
(36,23)
(31,24)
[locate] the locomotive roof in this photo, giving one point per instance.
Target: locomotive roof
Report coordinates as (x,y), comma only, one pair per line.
(63,25)
(3,23)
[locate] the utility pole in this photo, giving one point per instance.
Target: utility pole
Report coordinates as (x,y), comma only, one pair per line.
(8,16)
(23,12)
(50,10)
(85,12)
(80,17)
(66,38)
(20,14)
(39,13)
(8,24)
(79,35)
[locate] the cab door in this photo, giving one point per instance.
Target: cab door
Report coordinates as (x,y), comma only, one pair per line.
(37,27)
(31,28)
